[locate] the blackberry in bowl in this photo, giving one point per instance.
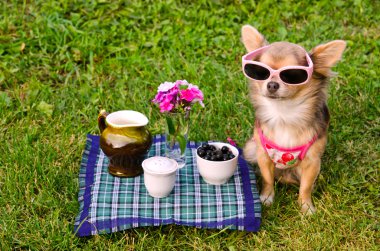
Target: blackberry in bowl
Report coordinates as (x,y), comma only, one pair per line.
(217,162)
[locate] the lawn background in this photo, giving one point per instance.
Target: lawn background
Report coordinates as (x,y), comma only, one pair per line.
(62,61)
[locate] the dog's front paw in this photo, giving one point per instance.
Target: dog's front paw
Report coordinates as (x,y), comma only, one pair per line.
(307,208)
(266,199)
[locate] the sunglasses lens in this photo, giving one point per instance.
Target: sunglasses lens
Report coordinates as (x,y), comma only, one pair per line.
(294,76)
(256,72)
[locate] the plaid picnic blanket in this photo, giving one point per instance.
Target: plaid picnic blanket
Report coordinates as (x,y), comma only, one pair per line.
(109,204)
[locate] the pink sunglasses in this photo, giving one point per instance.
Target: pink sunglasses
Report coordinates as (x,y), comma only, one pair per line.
(291,75)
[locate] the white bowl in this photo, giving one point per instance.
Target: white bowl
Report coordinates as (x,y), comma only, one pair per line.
(159,175)
(218,172)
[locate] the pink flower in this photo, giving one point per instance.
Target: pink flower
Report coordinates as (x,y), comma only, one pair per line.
(177,96)
(181,82)
(166,90)
(187,95)
(192,94)
(173,92)
(166,105)
(160,96)
(166,86)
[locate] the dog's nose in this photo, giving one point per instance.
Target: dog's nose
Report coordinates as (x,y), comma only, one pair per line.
(273,87)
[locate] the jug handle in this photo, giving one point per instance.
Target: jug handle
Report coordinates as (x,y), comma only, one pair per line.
(102,120)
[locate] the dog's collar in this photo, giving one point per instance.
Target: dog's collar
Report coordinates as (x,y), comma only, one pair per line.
(277,152)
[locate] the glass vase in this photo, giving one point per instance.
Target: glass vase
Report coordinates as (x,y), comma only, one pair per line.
(176,133)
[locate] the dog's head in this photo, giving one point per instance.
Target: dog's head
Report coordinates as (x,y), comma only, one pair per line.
(283,70)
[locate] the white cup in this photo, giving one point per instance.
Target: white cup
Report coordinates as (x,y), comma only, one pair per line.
(218,172)
(159,175)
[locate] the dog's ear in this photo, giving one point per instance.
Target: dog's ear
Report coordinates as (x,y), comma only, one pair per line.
(325,56)
(251,38)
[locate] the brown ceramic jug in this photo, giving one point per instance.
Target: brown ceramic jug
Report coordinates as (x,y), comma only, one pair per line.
(124,140)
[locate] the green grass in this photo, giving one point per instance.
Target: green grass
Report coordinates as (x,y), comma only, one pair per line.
(62,61)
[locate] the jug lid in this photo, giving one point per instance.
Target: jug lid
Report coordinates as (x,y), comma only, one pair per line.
(159,165)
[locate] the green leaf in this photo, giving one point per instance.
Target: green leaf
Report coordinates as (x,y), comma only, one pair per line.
(45,108)
(170,125)
(182,143)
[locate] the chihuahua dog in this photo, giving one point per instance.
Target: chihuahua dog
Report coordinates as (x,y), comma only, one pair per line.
(288,89)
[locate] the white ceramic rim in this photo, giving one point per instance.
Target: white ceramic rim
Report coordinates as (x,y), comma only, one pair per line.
(142,119)
(234,149)
(150,171)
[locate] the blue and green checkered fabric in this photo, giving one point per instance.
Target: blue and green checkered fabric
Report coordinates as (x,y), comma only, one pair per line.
(109,204)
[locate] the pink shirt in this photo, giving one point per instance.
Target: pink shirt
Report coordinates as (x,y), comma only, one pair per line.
(284,157)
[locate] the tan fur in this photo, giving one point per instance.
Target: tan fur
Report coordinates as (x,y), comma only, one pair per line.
(291,116)
(282,54)
(251,38)
(325,56)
